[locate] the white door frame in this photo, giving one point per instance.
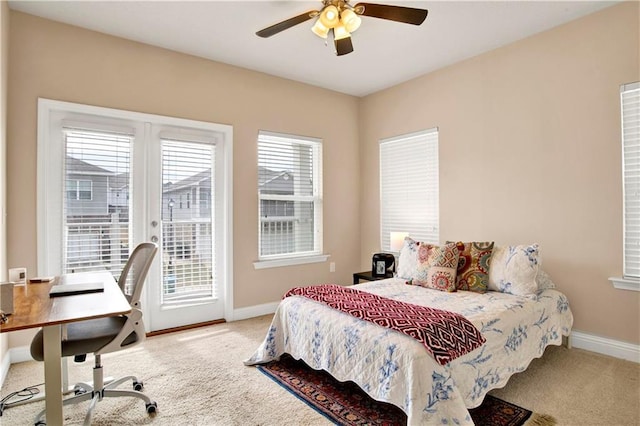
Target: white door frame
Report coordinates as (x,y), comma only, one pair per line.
(50,181)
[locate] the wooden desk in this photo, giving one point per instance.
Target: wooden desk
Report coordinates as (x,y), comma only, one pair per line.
(33,308)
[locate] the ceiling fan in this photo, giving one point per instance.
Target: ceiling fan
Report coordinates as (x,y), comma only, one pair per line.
(339,19)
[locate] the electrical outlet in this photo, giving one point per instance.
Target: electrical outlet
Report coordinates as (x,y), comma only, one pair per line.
(332,266)
(18,275)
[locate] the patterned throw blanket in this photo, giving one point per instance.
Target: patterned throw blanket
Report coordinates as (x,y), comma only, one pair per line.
(445,335)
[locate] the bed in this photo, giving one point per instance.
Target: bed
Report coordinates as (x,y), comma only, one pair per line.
(396,368)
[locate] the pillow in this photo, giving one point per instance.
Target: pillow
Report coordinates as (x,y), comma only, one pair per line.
(436,267)
(544,280)
(473,266)
(514,269)
(408,259)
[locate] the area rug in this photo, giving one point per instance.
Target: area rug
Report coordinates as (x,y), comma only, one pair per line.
(344,403)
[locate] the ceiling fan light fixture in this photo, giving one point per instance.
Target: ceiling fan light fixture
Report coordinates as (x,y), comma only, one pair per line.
(337,20)
(340,32)
(350,20)
(320,30)
(330,17)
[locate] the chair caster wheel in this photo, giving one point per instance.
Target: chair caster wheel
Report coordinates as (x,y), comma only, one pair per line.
(79,391)
(151,407)
(40,423)
(138,386)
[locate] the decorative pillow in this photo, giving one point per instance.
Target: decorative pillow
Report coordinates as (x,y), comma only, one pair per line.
(514,269)
(473,266)
(436,267)
(544,280)
(408,259)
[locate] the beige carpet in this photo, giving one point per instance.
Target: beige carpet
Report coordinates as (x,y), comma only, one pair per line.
(197,378)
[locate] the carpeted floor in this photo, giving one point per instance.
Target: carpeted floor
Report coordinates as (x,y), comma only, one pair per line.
(197,377)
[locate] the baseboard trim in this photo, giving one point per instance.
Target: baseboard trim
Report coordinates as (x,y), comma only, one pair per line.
(605,346)
(254,311)
(20,354)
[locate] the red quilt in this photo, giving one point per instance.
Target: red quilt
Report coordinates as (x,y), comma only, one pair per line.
(445,335)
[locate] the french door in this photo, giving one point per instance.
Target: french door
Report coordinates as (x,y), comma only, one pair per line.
(183,207)
(110,179)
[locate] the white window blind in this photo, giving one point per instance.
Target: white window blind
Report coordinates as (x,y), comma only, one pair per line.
(290,196)
(187,233)
(630,103)
(96,201)
(409,188)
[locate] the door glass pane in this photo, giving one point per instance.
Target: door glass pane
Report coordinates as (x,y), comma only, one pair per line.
(96,201)
(187,214)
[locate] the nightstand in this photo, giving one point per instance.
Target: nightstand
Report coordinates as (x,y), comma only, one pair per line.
(368,276)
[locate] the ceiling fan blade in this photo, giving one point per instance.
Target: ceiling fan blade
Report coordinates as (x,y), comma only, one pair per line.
(343,46)
(286,24)
(407,15)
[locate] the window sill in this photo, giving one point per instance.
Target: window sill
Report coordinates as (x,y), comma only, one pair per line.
(632,284)
(290,261)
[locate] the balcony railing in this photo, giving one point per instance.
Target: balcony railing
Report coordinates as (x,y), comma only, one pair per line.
(277,235)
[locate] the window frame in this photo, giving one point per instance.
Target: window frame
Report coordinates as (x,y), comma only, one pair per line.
(630,279)
(301,257)
(50,180)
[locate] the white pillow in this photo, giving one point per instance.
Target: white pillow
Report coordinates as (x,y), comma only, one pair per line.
(544,280)
(408,259)
(514,269)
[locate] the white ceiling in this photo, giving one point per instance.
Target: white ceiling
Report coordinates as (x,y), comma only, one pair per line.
(385,53)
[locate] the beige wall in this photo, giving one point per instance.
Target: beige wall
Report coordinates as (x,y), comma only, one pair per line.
(62,62)
(529,146)
(4,52)
(530,151)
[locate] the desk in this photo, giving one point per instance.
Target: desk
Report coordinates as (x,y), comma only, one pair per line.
(33,308)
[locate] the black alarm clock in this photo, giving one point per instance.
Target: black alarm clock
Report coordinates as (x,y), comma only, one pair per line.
(383,265)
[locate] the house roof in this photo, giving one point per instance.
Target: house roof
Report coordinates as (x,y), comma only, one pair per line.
(79,167)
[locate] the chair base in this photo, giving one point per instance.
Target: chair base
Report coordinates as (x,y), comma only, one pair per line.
(87,392)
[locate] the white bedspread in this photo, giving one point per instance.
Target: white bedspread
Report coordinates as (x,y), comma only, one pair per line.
(395,368)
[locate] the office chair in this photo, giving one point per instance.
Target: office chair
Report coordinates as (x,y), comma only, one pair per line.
(106,335)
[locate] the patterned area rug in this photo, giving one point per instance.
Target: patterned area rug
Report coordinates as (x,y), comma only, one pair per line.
(347,404)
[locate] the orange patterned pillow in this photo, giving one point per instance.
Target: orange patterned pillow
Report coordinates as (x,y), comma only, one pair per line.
(473,266)
(436,267)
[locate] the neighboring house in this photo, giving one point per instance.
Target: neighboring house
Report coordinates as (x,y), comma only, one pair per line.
(186,212)
(279,218)
(118,191)
(96,217)
(189,198)
(87,188)
(275,183)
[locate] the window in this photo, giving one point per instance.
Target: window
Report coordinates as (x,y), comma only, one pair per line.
(290,196)
(96,218)
(79,190)
(409,187)
(630,107)
(188,234)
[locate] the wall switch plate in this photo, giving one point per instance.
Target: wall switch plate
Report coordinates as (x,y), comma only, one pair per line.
(332,266)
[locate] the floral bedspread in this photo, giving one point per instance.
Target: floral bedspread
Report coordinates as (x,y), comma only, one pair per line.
(395,368)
